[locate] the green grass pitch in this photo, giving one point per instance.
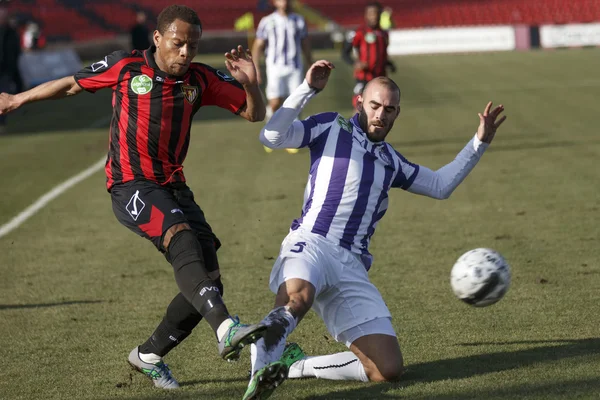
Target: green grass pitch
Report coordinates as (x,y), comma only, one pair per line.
(78,291)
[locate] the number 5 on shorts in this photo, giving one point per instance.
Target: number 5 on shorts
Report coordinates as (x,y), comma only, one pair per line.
(300,246)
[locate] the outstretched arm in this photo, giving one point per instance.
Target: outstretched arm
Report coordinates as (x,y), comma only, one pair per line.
(283,129)
(441,183)
(55,89)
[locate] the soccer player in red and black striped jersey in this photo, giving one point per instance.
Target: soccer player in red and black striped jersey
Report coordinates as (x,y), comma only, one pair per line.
(156,93)
(368,44)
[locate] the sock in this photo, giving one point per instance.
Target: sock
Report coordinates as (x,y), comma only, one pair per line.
(269,114)
(150,358)
(187,258)
(340,367)
(281,322)
(179,321)
(163,340)
(223,327)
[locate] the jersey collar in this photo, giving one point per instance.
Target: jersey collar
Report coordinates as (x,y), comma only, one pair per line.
(151,62)
(356,124)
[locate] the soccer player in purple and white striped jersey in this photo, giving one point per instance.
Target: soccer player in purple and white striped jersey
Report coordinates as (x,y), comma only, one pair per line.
(323,262)
(282,37)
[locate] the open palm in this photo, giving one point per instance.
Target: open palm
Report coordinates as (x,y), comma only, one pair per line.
(240,65)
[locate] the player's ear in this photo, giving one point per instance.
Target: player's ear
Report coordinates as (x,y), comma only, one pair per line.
(156,36)
(359,103)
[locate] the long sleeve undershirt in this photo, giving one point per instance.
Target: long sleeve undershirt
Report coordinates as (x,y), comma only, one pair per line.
(284,131)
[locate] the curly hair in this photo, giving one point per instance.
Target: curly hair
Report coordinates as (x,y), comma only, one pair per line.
(173,12)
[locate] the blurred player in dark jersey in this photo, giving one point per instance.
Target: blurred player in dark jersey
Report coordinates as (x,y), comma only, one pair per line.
(156,93)
(366,50)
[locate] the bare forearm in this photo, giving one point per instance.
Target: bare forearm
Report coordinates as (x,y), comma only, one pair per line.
(55,89)
(255,105)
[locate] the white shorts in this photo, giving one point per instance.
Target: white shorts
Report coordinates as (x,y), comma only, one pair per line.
(281,82)
(345,299)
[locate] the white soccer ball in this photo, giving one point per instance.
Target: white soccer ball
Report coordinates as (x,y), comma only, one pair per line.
(480,277)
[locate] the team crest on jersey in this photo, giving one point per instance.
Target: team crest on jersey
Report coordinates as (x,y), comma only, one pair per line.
(370,37)
(383,156)
(141,84)
(344,123)
(190,93)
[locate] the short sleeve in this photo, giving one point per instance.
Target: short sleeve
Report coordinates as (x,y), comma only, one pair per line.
(406,173)
(316,125)
(302,28)
(104,73)
(357,39)
(222,90)
(261,31)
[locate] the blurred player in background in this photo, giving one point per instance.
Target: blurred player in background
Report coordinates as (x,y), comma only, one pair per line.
(140,34)
(324,260)
(283,38)
(366,50)
(156,93)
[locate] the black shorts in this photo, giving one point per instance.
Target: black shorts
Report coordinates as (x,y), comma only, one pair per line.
(150,209)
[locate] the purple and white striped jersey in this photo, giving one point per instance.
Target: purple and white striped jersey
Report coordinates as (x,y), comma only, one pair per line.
(350,176)
(283,36)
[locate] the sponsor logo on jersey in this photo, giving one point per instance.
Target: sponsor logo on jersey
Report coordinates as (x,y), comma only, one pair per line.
(370,37)
(190,93)
(141,84)
(344,123)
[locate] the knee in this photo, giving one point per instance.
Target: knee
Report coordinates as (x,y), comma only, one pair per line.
(296,294)
(387,372)
(171,232)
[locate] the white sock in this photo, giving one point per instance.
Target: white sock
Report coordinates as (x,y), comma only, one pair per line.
(281,323)
(340,367)
(150,358)
(222,329)
(269,114)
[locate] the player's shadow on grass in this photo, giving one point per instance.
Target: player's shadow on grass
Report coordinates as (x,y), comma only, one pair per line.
(44,305)
(480,364)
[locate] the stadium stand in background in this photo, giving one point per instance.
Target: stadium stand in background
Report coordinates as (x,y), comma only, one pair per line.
(76,20)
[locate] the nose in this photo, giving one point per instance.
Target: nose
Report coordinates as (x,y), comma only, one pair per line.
(379,113)
(184,51)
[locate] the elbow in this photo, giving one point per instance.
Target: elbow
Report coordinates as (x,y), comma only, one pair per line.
(268,138)
(257,116)
(443,194)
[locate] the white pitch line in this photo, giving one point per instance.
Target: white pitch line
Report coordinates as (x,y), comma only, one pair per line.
(55,192)
(48,197)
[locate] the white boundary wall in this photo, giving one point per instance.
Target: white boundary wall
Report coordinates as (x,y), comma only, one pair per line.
(570,35)
(452,40)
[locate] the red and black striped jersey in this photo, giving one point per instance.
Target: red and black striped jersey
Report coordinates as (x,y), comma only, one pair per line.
(153,111)
(371,46)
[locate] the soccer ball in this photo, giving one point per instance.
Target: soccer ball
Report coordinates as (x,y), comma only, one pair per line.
(480,277)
